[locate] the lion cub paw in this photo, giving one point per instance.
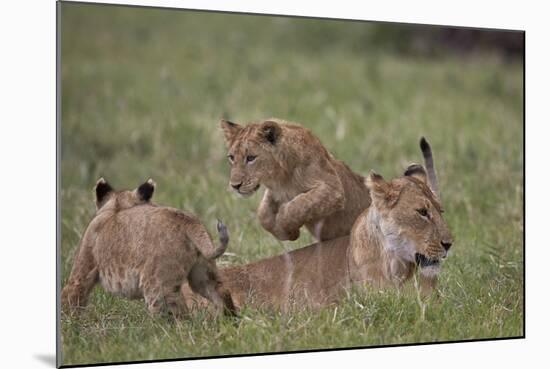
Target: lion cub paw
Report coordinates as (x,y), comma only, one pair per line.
(284,235)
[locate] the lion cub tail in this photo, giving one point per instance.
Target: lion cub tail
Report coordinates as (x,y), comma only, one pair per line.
(202,241)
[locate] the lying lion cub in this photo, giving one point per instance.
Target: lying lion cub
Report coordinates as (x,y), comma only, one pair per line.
(305,184)
(403,231)
(135,249)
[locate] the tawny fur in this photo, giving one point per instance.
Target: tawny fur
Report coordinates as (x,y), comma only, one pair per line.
(136,249)
(380,252)
(305,184)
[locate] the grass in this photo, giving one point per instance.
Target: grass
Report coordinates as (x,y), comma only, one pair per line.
(142,93)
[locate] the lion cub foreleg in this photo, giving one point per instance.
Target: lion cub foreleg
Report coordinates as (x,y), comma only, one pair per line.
(310,206)
(428,283)
(83,278)
(267,214)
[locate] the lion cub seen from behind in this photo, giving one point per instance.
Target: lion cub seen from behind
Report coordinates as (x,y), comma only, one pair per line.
(136,249)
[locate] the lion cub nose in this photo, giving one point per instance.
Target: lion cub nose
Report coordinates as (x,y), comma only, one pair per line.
(236,186)
(446,245)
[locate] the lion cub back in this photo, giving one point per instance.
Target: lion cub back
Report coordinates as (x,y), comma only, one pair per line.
(136,245)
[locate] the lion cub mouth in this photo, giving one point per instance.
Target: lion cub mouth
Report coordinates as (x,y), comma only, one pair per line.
(423,261)
(248,193)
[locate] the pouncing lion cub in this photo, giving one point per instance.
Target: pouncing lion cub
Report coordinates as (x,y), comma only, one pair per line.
(305,184)
(136,249)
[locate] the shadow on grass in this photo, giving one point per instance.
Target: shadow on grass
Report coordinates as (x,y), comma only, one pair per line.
(48,359)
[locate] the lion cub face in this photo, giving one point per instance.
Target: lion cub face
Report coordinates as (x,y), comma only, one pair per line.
(410,218)
(108,199)
(251,150)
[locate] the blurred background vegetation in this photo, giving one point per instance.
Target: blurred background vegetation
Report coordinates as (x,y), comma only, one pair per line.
(143,91)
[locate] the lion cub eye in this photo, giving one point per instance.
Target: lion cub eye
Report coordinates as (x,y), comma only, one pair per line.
(423,212)
(250,158)
(230,157)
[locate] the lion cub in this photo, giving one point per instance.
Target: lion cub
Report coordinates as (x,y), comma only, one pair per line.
(304,184)
(136,248)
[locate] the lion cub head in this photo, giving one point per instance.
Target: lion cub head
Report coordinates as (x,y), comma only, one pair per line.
(410,217)
(406,219)
(106,198)
(251,153)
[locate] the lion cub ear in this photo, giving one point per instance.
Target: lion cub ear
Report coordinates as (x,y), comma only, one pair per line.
(381,192)
(146,190)
(270,131)
(101,189)
(417,171)
(230,130)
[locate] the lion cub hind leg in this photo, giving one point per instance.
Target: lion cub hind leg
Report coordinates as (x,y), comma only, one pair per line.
(161,290)
(204,280)
(166,300)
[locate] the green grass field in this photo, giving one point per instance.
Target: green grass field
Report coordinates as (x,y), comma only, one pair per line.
(142,94)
